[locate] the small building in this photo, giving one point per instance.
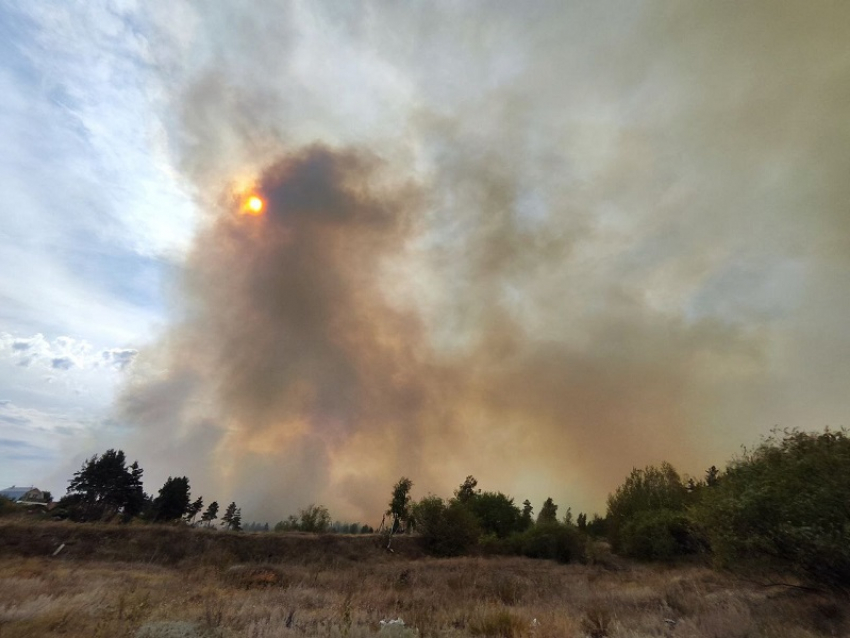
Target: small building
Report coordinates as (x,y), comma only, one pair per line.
(23,494)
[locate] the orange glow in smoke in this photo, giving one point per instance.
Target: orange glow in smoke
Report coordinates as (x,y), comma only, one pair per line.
(253,206)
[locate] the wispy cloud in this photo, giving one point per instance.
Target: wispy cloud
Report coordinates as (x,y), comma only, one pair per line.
(62,353)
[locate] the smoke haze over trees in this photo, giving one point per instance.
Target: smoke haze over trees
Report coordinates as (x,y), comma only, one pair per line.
(562,241)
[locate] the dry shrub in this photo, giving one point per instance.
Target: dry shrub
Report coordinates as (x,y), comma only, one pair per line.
(501,623)
(254,576)
(730,620)
(596,622)
(507,589)
(169,629)
(682,598)
(818,614)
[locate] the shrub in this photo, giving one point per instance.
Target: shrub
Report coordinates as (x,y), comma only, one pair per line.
(656,535)
(7,506)
(554,541)
(254,576)
(445,530)
(497,623)
(496,513)
(646,515)
(784,506)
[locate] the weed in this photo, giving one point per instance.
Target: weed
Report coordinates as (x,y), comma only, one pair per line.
(499,623)
(596,621)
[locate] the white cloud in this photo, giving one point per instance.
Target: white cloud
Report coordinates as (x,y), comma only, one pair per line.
(62,353)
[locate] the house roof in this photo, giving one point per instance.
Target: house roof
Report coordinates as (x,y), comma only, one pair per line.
(15,493)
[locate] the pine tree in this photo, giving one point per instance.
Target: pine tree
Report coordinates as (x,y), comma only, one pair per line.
(232,518)
(173,500)
(194,509)
(581,521)
(548,513)
(104,487)
(525,520)
(210,514)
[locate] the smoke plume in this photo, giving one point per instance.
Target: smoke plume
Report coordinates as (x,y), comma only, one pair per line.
(540,246)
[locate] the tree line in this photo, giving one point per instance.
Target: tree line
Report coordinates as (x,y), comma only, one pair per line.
(106,489)
(782,506)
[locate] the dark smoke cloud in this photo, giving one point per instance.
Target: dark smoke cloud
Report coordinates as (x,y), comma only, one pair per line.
(539,244)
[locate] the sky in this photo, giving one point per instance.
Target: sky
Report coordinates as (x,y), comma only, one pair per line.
(540,243)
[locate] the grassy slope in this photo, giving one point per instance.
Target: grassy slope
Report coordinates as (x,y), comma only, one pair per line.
(119,581)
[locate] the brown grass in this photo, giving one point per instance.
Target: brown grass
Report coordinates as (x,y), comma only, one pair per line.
(345,587)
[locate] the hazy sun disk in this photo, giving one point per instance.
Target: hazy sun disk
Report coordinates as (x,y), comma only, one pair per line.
(253,206)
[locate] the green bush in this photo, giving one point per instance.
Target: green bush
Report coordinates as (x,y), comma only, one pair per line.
(496,513)
(647,515)
(554,541)
(7,506)
(445,529)
(656,535)
(784,506)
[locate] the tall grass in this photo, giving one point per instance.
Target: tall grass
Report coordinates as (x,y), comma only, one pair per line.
(335,589)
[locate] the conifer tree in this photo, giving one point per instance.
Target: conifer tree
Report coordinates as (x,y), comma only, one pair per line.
(210,514)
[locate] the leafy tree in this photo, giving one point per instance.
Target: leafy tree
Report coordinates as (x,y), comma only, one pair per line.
(784,506)
(104,487)
(646,515)
(314,518)
(289,525)
(445,529)
(210,514)
(366,530)
(400,503)
(568,517)
(548,513)
(496,513)
(660,534)
(173,500)
(467,491)
(232,518)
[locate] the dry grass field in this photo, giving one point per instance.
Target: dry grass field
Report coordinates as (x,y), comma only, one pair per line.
(347,587)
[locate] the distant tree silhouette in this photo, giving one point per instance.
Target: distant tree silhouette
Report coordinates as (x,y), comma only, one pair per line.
(105,487)
(314,518)
(581,522)
(525,517)
(173,500)
(210,514)
(467,491)
(194,509)
(400,503)
(548,513)
(232,518)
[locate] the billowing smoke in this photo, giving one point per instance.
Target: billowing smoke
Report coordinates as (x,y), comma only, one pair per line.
(537,245)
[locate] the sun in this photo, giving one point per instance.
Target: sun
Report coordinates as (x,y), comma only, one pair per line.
(253,206)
